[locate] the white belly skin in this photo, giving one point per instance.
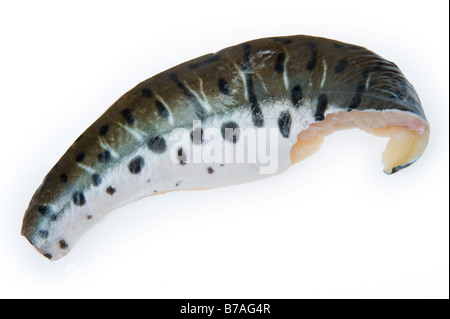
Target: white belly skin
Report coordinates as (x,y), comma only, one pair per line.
(194,169)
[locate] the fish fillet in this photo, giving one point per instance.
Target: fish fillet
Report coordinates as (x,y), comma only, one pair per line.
(241,114)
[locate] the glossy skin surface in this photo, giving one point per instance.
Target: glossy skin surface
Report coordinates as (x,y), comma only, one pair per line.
(287,83)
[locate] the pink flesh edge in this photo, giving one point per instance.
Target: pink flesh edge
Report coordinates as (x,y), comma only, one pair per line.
(408,134)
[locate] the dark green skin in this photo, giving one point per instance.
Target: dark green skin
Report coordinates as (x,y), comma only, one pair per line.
(348,67)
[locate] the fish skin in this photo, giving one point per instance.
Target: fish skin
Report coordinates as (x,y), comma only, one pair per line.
(251,78)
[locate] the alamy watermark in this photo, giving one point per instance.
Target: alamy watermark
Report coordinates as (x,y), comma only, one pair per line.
(229,144)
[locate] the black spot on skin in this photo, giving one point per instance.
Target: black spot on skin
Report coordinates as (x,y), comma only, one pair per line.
(297,96)
(157,145)
(174,78)
(78,198)
(48,256)
(63,244)
(340,67)
(96,180)
(212,59)
(230,132)
(129,118)
(223,86)
(357,98)
(88,217)
(279,65)
(80,157)
(44,210)
(257,117)
(136,164)
(360,88)
(162,110)
(103,130)
(104,157)
(284,124)
(210,170)
(43,234)
(146,92)
(63,178)
(322,103)
(181,156)
(381,64)
(199,111)
(197,136)
(246,65)
(110,190)
(313,61)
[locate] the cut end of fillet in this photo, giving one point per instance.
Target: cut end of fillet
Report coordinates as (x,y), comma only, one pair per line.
(408,135)
(404,147)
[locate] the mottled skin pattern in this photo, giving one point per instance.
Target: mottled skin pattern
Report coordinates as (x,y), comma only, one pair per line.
(243,77)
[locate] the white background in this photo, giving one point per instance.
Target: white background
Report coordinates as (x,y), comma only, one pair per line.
(333,226)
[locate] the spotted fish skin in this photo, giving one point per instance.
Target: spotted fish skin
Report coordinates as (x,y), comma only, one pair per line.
(287,83)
